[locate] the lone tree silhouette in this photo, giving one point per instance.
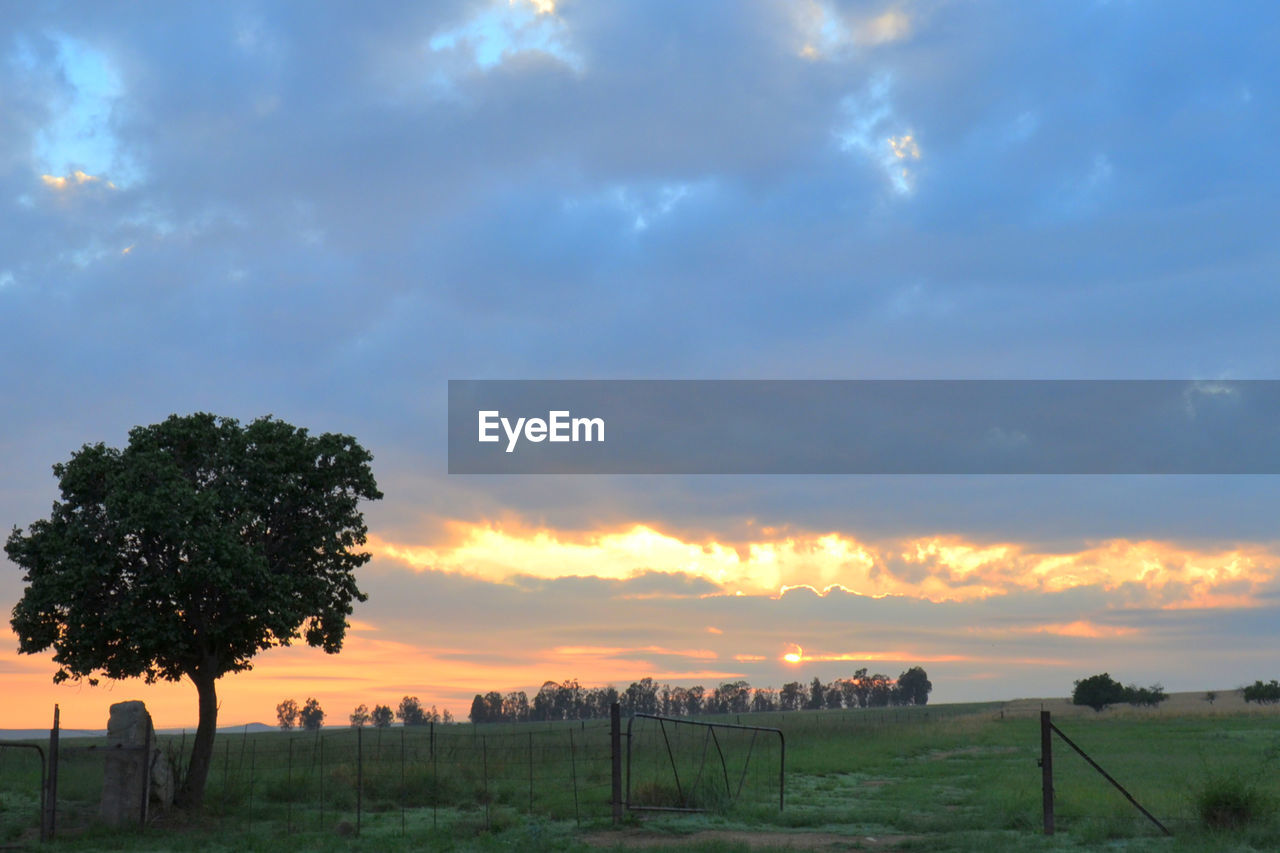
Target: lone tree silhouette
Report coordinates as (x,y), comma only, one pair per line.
(194,548)
(914,686)
(1098,691)
(287,714)
(311,715)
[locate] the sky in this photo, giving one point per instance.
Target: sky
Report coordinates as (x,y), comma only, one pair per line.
(324,212)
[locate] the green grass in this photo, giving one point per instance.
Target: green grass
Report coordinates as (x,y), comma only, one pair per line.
(960,778)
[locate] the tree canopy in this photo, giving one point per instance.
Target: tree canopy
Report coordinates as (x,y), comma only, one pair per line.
(1099,691)
(287,714)
(198,545)
(914,686)
(311,715)
(381,716)
(411,712)
(1262,692)
(572,701)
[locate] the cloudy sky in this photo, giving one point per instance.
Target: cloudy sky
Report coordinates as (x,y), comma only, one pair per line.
(325,212)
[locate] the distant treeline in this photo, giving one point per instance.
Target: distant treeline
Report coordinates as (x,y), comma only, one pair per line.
(311,716)
(571,701)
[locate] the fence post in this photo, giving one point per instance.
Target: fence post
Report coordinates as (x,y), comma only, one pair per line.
(1046,770)
(615,749)
(253,751)
(289,786)
(484,758)
(402,790)
(359,775)
(226,769)
(50,794)
(320,742)
(573,769)
(178,768)
(531,772)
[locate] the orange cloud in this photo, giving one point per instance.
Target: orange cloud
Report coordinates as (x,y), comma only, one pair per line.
(1084,628)
(799,655)
(1149,573)
(613,651)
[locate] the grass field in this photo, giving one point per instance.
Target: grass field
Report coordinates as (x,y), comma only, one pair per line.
(949,777)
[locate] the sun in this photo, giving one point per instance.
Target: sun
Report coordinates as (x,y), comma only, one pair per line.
(794,657)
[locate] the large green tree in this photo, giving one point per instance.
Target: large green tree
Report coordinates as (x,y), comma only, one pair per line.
(914,686)
(382,716)
(1262,693)
(198,545)
(287,714)
(1098,691)
(410,712)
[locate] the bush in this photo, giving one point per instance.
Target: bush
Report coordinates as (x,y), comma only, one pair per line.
(1263,694)
(1146,696)
(1230,802)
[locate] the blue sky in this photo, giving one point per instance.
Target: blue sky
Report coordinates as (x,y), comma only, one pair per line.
(325,212)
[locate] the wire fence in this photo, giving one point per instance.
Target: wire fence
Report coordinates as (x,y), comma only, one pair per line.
(386,780)
(682,765)
(402,779)
(392,778)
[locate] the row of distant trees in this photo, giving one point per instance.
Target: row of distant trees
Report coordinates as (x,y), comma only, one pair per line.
(410,712)
(310,716)
(569,700)
(1099,691)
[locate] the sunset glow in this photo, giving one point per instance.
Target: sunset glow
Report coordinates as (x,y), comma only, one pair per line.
(383,663)
(1153,574)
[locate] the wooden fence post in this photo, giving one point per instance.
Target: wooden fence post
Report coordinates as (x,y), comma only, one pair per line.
(615,749)
(1046,769)
(50,794)
(359,777)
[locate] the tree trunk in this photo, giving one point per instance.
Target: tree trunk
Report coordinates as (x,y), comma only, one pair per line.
(192,793)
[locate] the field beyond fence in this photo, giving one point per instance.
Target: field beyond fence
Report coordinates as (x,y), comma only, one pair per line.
(961,777)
